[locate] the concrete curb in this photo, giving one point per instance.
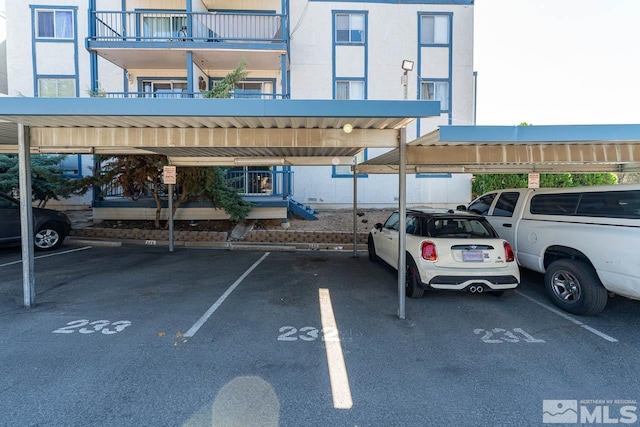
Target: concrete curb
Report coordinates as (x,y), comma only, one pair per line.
(228,245)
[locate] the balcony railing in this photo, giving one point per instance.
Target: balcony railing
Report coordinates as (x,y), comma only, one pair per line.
(248,183)
(212,27)
(180,94)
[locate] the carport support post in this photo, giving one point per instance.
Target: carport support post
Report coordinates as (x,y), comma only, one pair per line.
(26,215)
(170,217)
(402,224)
(355,210)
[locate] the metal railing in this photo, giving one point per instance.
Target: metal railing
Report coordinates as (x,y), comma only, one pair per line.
(165,95)
(248,183)
(212,27)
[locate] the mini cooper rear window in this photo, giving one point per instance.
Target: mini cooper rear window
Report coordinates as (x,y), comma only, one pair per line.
(459,227)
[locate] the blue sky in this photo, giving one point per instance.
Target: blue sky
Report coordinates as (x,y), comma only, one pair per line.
(557,61)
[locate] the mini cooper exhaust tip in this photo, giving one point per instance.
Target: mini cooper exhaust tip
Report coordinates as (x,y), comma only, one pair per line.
(476,289)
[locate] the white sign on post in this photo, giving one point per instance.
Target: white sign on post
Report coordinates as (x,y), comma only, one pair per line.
(169,174)
(534,180)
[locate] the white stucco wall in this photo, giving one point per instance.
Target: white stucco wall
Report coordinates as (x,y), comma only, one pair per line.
(392,36)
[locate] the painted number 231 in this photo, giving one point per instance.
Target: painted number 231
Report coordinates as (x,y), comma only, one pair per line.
(84,326)
(498,336)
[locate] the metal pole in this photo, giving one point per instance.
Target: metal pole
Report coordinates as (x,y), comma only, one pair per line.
(26,215)
(402,225)
(170,217)
(355,210)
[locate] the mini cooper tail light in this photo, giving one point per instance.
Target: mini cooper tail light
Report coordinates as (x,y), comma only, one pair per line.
(428,251)
(508,252)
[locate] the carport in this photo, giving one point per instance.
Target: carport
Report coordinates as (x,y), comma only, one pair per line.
(213,132)
(507,149)
(298,132)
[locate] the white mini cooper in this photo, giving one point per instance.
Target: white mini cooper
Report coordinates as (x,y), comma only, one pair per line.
(447,249)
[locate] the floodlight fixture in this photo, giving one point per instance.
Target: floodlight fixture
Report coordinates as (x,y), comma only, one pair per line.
(407,65)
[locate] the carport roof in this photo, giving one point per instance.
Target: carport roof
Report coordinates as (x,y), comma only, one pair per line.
(210,131)
(518,149)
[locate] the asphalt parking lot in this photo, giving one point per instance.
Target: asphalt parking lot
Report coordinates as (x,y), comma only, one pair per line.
(138,336)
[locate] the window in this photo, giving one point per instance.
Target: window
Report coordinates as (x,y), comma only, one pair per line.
(483,204)
(164,27)
(434,29)
(393,222)
(349,28)
(56,88)
(164,89)
(506,204)
(436,91)
(262,90)
(346,89)
(346,170)
(555,204)
(611,204)
(54,24)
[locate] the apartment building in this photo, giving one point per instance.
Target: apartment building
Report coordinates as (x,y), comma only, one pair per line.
(293,49)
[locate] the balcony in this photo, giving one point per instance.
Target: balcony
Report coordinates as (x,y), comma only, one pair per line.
(150,39)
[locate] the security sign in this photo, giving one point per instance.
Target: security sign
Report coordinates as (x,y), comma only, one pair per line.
(169,174)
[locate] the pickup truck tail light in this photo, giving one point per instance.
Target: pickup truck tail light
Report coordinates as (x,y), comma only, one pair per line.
(428,251)
(508,252)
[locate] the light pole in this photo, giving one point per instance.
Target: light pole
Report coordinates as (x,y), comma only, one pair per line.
(402,202)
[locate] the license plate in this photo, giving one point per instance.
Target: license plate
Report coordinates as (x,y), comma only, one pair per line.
(472,256)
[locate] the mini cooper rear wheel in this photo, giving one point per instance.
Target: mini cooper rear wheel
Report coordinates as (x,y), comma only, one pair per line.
(413,288)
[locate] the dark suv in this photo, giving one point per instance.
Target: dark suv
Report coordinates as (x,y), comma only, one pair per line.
(51,227)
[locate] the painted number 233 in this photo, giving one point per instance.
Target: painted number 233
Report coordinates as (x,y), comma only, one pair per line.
(84,326)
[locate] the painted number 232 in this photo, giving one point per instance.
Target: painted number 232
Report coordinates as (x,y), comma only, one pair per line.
(307,333)
(84,326)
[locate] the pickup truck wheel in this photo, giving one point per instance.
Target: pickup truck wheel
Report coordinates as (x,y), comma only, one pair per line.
(371,247)
(413,289)
(575,287)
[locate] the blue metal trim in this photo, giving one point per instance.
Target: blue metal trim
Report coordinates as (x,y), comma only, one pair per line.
(449,79)
(35,8)
(283,76)
(74,40)
(475,97)
(182,107)
(433,175)
(190,83)
(34,62)
(76,175)
(551,133)
(335,174)
(193,45)
(75,50)
(364,44)
(56,76)
(444,2)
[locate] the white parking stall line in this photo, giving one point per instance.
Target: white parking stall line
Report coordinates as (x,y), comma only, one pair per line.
(571,319)
(192,331)
(340,388)
(47,256)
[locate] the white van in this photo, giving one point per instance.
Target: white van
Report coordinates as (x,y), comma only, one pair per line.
(585,239)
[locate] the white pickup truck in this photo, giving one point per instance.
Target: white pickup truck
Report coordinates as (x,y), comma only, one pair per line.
(586,240)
